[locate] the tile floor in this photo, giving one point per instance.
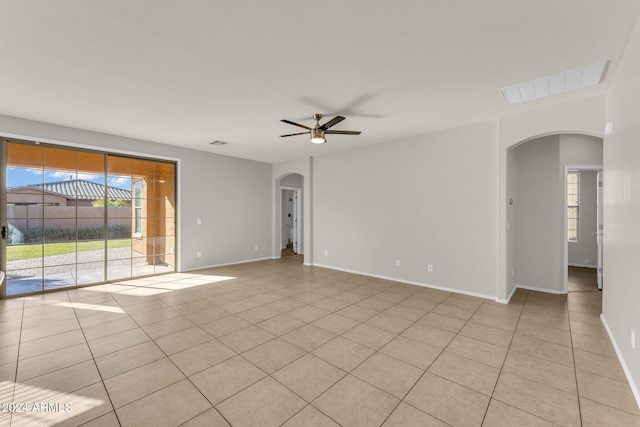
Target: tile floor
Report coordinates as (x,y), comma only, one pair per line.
(278,343)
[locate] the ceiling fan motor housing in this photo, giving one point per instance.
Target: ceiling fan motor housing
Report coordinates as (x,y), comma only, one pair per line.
(317,136)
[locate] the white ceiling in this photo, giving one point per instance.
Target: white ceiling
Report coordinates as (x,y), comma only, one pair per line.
(193,71)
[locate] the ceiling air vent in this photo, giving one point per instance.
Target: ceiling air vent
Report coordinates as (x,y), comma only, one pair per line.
(219,143)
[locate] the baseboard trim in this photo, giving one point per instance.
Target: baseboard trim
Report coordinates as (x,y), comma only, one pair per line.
(408,282)
(584,265)
(184,270)
(627,373)
(529,288)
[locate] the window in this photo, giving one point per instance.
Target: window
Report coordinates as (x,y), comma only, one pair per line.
(137,206)
(573,206)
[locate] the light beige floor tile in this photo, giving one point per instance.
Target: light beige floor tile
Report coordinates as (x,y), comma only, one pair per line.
(245,339)
(8,373)
(239,306)
(225,325)
(388,374)
(309,376)
(107,420)
(543,371)
(596,331)
(9,354)
(258,314)
(453,311)
(406,415)
(226,379)
(405,312)
(281,324)
(538,399)
(443,322)
(273,355)
(487,334)
(479,351)
(330,304)
(466,372)
(352,402)
(167,327)
(186,402)
(308,337)
(102,330)
(413,352)
(209,418)
(308,313)
(52,361)
(389,323)
(308,297)
(448,401)
(505,323)
(419,303)
(201,357)
(65,380)
(597,415)
(502,415)
(86,404)
(192,306)
(310,416)
(47,330)
(542,349)
(369,336)
(428,335)
(336,323)
(117,342)
(497,309)
(155,316)
(598,364)
(607,391)
(182,340)
(146,379)
(266,403)
(358,313)
(207,315)
(591,319)
(52,343)
(343,353)
(544,333)
(595,345)
(376,304)
(285,305)
(118,362)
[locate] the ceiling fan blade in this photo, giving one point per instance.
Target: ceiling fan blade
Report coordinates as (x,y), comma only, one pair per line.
(343,132)
(295,124)
(332,122)
(293,134)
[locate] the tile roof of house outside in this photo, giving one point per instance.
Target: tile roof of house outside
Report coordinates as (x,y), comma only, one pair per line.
(80,189)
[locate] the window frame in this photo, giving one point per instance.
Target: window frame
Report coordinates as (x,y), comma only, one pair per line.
(573,238)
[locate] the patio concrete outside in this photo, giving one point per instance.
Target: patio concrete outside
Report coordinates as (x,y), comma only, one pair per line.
(77,268)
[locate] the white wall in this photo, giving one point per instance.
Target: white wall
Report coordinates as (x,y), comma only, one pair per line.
(539,245)
(231,196)
(584,252)
(430,200)
(621,192)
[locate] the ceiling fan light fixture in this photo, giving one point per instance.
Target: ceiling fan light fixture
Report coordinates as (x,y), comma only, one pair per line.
(317,136)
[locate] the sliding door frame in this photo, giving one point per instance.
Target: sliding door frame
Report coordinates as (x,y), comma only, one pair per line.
(106,151)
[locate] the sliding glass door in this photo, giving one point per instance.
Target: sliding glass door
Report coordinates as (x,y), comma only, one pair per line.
(77,217)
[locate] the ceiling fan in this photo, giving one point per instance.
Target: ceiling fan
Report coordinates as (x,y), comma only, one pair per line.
(318,132)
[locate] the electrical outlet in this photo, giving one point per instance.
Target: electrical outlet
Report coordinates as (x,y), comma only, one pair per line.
(198,254)
(430,268)
(255,247)
(397,263)
(198,221)
(326,252)
(633,339)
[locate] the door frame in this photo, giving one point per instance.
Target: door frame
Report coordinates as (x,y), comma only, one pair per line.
(297,211)
(567,168)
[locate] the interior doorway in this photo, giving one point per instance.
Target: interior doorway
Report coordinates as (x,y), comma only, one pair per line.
(291,235)
(583,228)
